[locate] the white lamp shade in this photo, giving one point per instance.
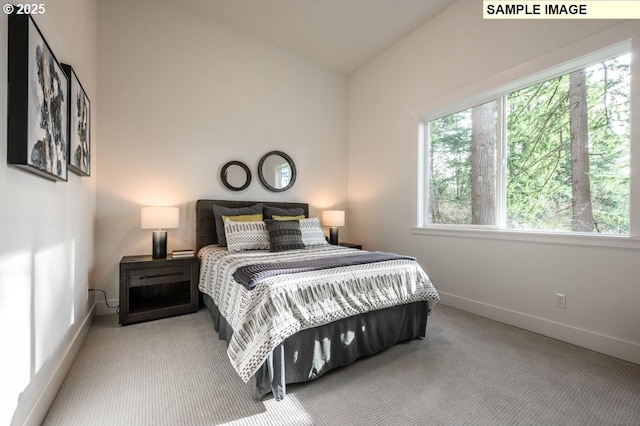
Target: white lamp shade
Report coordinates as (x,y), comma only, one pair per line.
(333,218)
(159,217)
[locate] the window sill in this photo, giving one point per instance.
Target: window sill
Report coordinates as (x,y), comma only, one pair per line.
(575,239)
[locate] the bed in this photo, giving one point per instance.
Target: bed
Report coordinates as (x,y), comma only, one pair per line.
(294,326)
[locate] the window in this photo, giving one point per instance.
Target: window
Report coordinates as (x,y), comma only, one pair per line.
(551,155)
(462,160)
(283,175)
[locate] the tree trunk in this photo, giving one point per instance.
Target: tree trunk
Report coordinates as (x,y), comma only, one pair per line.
(580,181)
(483,164)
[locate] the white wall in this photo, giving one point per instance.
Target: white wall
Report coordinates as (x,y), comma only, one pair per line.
(180,96)
(512,281)
(47,244)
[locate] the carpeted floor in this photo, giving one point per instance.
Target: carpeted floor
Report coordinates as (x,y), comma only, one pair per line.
(468,371)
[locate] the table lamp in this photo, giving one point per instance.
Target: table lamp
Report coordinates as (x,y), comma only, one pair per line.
(159,218)
(333,219)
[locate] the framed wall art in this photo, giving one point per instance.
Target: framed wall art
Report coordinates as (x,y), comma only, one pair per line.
(79,114)
(37,129)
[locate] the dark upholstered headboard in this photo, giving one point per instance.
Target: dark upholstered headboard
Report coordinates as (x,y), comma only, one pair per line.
(206,225)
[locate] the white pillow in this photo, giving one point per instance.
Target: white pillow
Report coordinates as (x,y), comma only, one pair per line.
(246,235)
(312,234)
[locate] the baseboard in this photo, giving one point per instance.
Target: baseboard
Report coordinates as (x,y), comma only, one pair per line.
(609,345)
(39,409)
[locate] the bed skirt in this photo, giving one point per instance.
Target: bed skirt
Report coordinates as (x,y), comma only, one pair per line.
(311,353)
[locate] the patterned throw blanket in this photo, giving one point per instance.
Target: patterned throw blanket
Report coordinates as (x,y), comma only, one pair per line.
(281,305)
(251,275)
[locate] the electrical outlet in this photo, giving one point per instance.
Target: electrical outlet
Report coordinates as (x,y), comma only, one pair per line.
(561,300)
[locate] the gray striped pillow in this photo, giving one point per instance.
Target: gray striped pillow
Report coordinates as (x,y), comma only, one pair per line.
(284,235)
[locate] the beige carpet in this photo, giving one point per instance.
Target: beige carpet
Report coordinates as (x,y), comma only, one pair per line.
(469,371)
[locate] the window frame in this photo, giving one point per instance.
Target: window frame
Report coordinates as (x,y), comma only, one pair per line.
(498,94)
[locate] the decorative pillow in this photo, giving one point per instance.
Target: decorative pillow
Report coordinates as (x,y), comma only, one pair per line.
(270,211)
(277,217)
(244,218)
(246,235)
(219,211)
(311,231)
(284,234)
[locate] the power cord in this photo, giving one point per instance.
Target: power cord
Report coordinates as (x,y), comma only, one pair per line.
(104,294)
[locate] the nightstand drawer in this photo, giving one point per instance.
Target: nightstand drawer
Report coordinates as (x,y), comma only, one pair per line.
(163,275)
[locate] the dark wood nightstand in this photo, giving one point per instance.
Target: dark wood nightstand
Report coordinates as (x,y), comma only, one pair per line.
(157,288)
(350,245)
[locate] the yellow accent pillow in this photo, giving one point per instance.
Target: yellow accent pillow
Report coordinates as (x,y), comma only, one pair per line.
(257,217)
(276,217)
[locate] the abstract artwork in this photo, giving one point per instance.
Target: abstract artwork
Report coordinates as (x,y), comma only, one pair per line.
(79,125)
(37,129)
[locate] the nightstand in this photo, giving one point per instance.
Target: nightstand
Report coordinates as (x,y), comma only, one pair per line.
(350,245)
(157,288)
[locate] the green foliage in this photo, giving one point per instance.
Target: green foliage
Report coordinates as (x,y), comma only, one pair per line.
(450,160)
(538,162)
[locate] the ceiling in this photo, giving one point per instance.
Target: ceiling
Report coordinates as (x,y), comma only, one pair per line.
(340,34)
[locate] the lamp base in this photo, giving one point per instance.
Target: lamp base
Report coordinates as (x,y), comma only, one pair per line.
(333,235)
(159,244)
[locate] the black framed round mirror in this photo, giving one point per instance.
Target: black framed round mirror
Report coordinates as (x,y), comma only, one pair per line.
(277,171)
(235,175)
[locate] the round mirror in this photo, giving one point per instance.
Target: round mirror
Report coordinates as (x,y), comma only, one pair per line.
(235,175)
(277,171)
